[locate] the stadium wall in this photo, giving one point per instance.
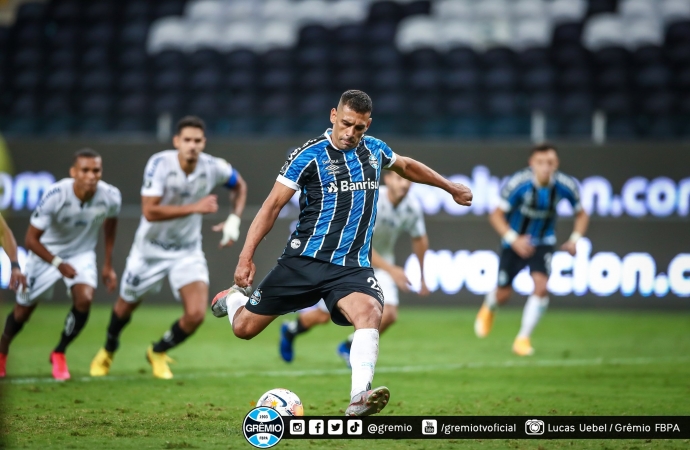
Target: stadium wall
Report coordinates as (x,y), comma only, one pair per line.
(637,254)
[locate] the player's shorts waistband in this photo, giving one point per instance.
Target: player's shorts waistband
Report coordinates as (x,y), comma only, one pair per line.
(174,245)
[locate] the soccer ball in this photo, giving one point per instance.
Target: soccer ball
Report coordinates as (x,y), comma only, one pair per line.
(287,403)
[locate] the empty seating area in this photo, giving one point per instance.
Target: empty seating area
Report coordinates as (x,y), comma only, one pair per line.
(459,68)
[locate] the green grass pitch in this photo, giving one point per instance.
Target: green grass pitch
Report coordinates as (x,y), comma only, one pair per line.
(587,363)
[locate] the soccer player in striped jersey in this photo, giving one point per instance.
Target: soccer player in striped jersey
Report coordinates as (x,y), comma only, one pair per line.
(526,219)
(329,254)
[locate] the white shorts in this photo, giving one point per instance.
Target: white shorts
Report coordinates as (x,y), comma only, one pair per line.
(387,285)
(144,276)
(42,276)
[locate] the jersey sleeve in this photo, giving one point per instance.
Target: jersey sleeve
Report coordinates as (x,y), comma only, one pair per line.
(388,156)
(510,197)
(296,170)
(115,202)
(47,208)
(154,177)
(224,173)
(570,191)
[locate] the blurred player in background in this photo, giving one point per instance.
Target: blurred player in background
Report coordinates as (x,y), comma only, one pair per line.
(526,219)
(175,194)
(61,240)
(396,212)
(17,278)
(329,253)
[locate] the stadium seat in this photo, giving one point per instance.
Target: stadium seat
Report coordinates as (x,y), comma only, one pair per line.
(314,35)
(639,9)
(169,81)
(604,30)
(205,80)
(27,58)
(531,33)
(612,78)
(462,79)
(206,106)
(529,9)
(203,35)
(577,103)
(169,60)
(381,33)
(240,80)
(95,58)
(452,34)
(277,59)
(205,58)
(25,105)
(62,59)
(502,104)
(65,37)
(500,78)
(672,11)
(168,103)
(316,105)
(99,105)
(533,57)
(416,32)
(461,57)
(611,57)
(571,56)
(307,12)
(276,35)
(567,33)
(423,58)
(317,79)
(62,80)
(352,78)
(499,57)
(601,7)
(132,58)
(135,11)
(462,103)
(241,60)
(648,55)
(387,80)
(99,80)
(134,32)
(27,80)
(101,11)
(133,105)
(168,33)
(572,11)
(490,10)
(640,32)
(384,57)
(453,10)
(385,11)
(425,79)
(208,11)
(132,81)
(240,105)
(164,8)
(653,77)
(31,12)
(313,56)
(545,101)
(615,103)
(347,11)
(66,11)
(542,78)
(347,57)
(276,79)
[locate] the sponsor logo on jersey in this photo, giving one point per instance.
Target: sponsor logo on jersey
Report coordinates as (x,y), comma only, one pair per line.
(255,298)
(332,169)
(373,162)
(358,185)
(295,243)
(332,188)
(284,168)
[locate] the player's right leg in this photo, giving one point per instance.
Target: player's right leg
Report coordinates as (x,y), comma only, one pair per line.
(510,265)
(306,320)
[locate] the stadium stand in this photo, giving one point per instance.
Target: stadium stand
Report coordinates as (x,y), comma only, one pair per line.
(464,68)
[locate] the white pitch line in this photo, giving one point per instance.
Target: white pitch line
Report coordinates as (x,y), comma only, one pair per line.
(382,369)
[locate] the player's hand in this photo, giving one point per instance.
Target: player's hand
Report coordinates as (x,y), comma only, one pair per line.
(230,229)
(398,275)
(244,273)
(523,246)
(17,280)
(424,290)
(462,194)
(109,278)
(219,229)
(570,247)
(67,271)
(207,205)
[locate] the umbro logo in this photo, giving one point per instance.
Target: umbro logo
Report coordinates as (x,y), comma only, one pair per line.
(333,169)
(332,188)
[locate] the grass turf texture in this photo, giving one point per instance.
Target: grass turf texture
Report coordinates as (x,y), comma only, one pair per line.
(587,363)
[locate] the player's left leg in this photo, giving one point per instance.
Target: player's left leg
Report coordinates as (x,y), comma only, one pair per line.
(194,301)
(364,312)
(535,307)
(14,323)
(306,320)
(82,297)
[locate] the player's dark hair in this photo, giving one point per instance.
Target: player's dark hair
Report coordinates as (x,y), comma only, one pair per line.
(190,121)
(84,153)
(543,147)
(358,101)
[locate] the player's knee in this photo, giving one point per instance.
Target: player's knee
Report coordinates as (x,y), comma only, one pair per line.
(22,315)
(195,318)
(243,330)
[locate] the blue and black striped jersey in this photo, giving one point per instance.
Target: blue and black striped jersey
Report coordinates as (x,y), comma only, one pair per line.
(531,209)
(338,196)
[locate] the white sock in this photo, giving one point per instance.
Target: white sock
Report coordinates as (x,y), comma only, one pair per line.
(234,302)
(534,309)
(490,300)
(363,355)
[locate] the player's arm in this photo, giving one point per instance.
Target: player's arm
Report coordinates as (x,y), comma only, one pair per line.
(261,225)
(153,211)
(33,244)
(9,244)
(396,272)
(420,245)
(108,273)
(420,173)
(579,230)
(238,197)
(521,244)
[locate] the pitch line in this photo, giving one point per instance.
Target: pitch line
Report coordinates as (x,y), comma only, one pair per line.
(380,370)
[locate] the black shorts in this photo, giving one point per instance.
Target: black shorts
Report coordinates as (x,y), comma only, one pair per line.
(298,282)
(511,264)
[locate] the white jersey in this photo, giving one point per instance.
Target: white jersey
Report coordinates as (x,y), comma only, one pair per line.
(69,225)
(392,220)
(163,177)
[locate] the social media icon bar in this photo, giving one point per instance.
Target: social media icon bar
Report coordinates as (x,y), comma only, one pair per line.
(335,427)
(316,427)
(354,427)
(297,427)
(429,426)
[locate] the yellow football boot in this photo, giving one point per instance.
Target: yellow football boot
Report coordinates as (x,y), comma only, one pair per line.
(159,364)
(100,366)
(483,322)
(522,347)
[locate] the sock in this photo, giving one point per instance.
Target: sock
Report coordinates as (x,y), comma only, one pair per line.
(363,356)
(115,327)
(235,302)
(490,301)
(295,328)
(173,337)
(12,328)
(74,323)
(534,309)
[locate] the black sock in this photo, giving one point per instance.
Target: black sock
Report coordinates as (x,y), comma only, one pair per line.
(295,328)
(74,323)
(12,328)
(115,327)
(173,337)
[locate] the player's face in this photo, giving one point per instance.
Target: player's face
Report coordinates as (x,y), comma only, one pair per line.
(87,173)
(397,185)
(348,127)
(190,142)
(544,164)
